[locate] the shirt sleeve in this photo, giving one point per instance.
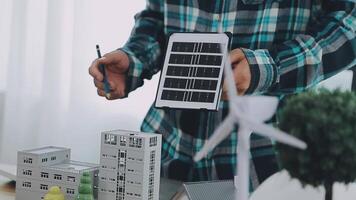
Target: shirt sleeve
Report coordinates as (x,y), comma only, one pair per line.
(144,47)
(327,47)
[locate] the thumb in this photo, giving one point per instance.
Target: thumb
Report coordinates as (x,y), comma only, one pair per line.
(107,60)
(236,55)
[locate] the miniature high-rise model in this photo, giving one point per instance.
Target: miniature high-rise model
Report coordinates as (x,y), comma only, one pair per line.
(40,169)
(129,165)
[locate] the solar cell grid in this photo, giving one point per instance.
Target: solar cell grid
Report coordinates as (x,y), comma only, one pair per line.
(192,73)
(196,47)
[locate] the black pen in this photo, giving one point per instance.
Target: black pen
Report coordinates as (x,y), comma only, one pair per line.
(105,80)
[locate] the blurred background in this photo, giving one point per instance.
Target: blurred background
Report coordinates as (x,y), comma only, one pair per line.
(46,94)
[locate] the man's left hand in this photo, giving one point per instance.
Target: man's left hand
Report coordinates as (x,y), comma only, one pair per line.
(242,73)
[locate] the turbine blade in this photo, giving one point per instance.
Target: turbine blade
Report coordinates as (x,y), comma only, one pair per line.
(273,133)
(220,133)
(229,78)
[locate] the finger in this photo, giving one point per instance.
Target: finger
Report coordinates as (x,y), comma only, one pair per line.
(94,70)
(242,76)
(99,84)
(101,92)
(112,57)
(110,96)
(236,55)
(224,95)
(224,89)
(113,96)
(112,85)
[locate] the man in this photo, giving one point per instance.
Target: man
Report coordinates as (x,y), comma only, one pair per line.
(279,47)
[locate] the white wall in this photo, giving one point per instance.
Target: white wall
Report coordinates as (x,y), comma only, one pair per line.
(53,100)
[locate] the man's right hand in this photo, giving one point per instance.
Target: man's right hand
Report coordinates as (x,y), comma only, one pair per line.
(116,66)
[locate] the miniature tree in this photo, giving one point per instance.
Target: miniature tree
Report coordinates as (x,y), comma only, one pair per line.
(54,193)
(326,121)
(85,190)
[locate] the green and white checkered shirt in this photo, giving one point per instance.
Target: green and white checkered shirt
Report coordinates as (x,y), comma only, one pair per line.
(291,45)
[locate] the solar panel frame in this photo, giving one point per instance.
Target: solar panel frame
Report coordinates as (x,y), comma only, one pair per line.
(203,92)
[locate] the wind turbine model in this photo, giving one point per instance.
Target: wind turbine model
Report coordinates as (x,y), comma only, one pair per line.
(249,112)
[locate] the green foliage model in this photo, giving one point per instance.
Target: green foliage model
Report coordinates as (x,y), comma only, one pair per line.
(85,190)
(326,121)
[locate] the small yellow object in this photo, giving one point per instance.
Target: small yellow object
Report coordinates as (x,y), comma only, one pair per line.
(54,194)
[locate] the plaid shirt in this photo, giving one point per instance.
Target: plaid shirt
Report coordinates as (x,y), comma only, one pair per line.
(291,45)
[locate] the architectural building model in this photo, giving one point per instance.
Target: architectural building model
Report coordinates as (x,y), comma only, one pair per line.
(129,165)
(207,190)
(40,169)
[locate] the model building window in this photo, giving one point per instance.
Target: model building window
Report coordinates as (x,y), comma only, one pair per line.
(122,161)
(71,179)
(27,172)
(135,142)
(53,158)
(122,165)
(150,193)
(121,189)
(27,160)
(139,142)
(122,140)
(44,160)
(44,175)
(26,184)
(153,141)
(43,187)
(151,175)
(122,153)
(58,177)
(70,191)
(110,139)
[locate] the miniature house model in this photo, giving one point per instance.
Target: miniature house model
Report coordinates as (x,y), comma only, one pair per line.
(40,169)
(207,190)
(129,166)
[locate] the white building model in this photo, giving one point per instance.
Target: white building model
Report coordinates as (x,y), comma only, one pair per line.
(129,165)
(40,169)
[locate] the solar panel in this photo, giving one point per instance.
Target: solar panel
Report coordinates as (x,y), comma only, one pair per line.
(192,72)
